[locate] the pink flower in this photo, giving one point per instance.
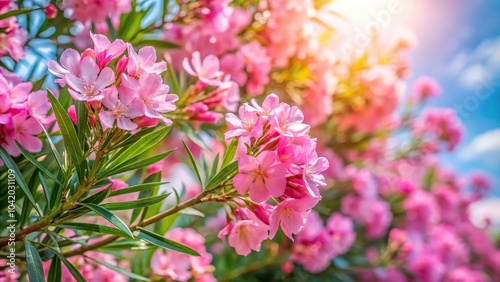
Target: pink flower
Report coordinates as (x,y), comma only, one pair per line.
(261,175)
(13,37)
(207,71)
(290,121)
(258,67)
(246,235)
(341,231)
(242,125)
(96,11)
(144,62)
(152,94)
(424,88)
(50,11)
(70,64)
(38,106)
(105,50)
(313,168)
(89,85)
(421,210)
(122,106)
(290,215)
(24,129)
(439,124)
(181,267)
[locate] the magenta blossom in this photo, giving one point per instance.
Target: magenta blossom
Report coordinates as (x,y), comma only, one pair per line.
(122,106)
(91,82)
(261,175)
(207,71)
(143,62)
(105,50)
(152,94)
(290,215)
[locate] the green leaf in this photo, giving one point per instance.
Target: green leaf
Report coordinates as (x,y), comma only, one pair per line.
(155,177)
(111,28)
(133,138)
(163,242)
(136,188)
(137,148)
(172,79)
(92,228)
(14,13)
(81,121)
(52,147)
(109,216)
(191,211)
(223,175)
(68,132)
(55,270)
(98,197)
(230,152)
(34,263)
(146,202)
(215,165)
(71,268)
(136,164)
(46,191)
(158,44)
(193,163)
(9,162)
(36,163)
(120,270)
(129,245)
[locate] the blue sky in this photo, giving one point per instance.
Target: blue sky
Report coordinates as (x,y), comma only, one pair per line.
(459,45)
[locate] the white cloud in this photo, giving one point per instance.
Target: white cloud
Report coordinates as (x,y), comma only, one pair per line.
(486,144)
(476,66)
(485,210)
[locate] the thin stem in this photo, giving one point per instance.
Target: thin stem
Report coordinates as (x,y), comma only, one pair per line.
(200,198)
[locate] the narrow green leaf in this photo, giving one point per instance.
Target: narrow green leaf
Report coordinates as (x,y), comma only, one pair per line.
(55,270)
(9,162)
(92,228)
(82,121)
(136,188)
(215,165)
(52,147)
(223,175)
(111,28)
(129,245)
(68,132)
(46,191)
(146,202)
(230,152)
(140,163)
(163,242)
(155,177)
(14,13)
(158,44)
(120,270)
(109,216)
(133,138)
(26,207)
(98,197)
(34,262)
(172,79)
(193,163)
(71,268)
(191,211)
(36,163)
(136,149)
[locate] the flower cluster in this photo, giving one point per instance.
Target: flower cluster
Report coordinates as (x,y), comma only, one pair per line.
(317,245)
(12,36)
(124,91)
(22,114)
(95,11)
(182,267)
(212,91)
(276,158)
(438,125)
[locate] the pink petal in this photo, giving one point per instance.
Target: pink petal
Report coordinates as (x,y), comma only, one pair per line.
(258,191)
(107,119)
(70,60)
(125,124)
(30,143)
(89,70)
(106,77)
